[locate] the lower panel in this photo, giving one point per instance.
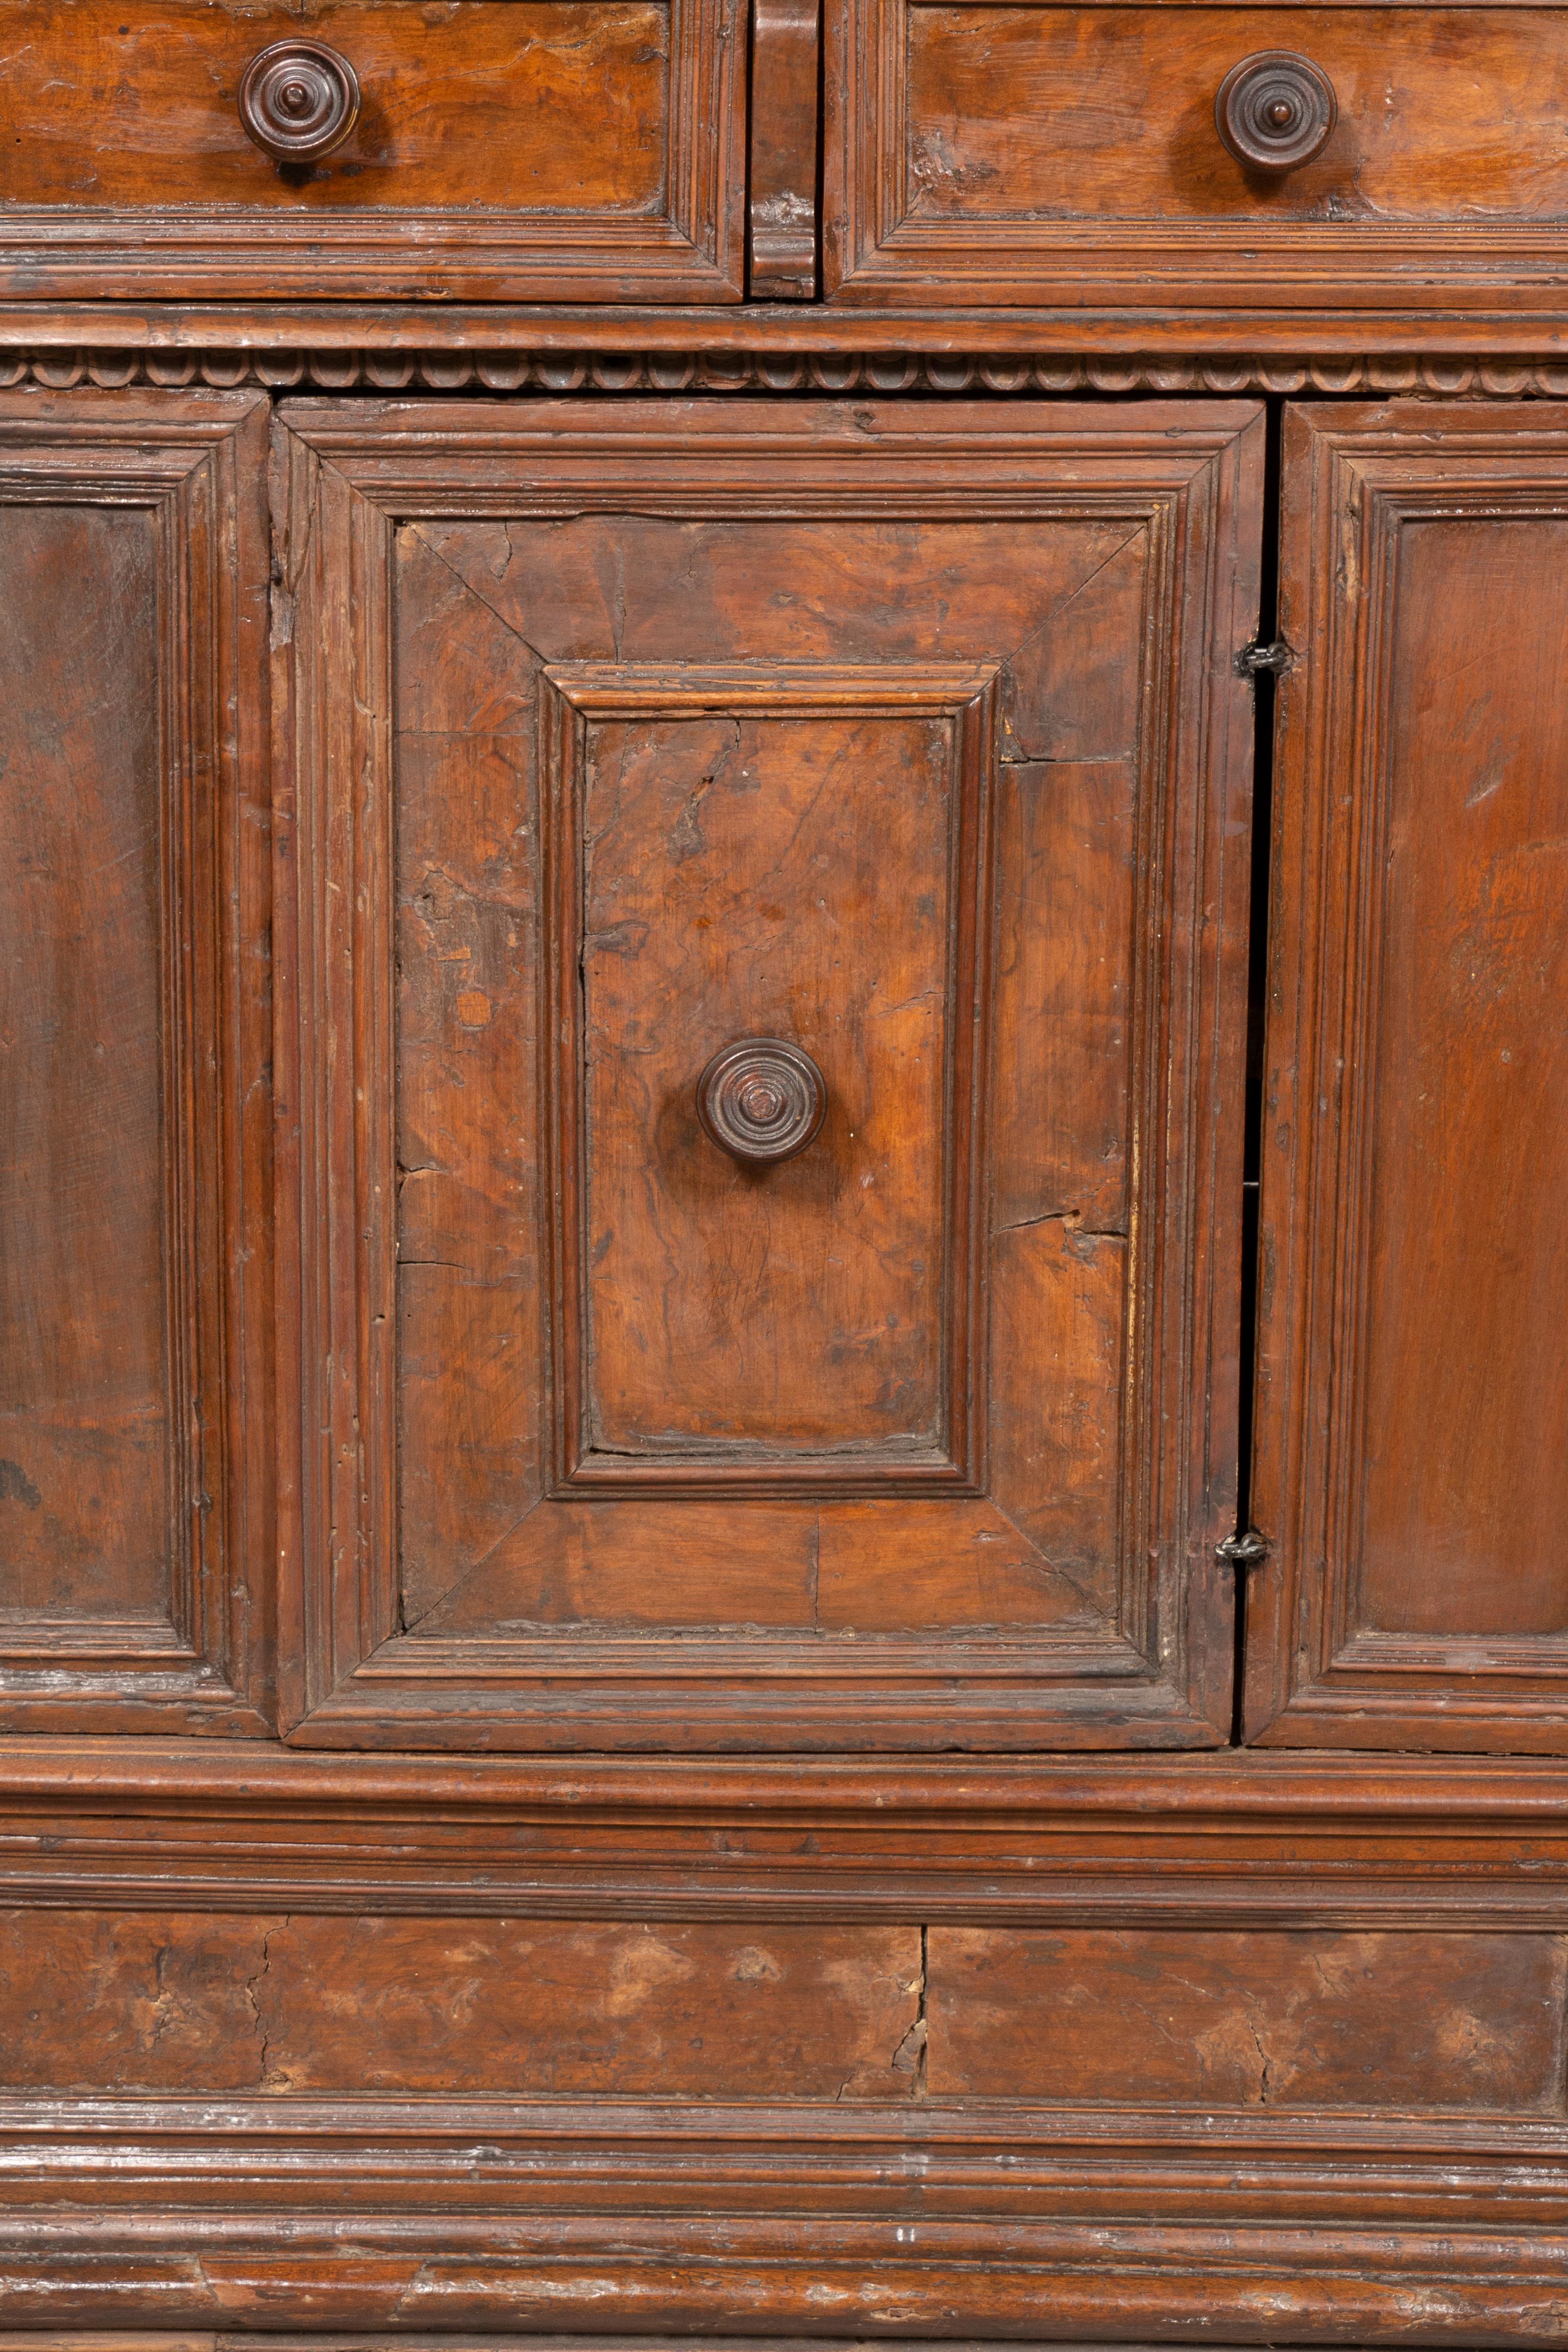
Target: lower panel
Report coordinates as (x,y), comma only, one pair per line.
(338,2122)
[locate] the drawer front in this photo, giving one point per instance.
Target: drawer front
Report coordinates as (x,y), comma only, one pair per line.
(1014,154)
(573,150)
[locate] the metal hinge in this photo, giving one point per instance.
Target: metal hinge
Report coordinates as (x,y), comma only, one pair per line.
(1244,1551)
(1255,659)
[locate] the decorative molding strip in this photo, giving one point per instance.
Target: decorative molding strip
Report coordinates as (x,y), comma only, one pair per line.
(1250,1841)
(64,370)
(484,2215)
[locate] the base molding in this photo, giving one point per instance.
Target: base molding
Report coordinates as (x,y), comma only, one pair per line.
(1007,2224)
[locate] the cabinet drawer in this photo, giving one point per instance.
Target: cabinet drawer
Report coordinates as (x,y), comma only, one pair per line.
(1011,153)
(569,150)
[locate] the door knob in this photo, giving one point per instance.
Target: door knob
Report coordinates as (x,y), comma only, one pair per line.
(760,1100)
(299,99)
(1275,111)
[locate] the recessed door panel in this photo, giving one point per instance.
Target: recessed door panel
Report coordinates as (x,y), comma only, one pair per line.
(1414,1400)
(738,1032)
(135,1458)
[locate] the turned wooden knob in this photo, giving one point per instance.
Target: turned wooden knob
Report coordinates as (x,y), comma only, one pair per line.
(760,1100)
(1275,111)
(299,99)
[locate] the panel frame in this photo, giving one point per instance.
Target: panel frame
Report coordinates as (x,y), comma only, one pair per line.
(1352,476)
(196,463)
(694,253)
(344,478)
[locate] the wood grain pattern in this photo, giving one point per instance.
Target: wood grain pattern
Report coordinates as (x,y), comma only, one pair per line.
(786,62)
(134,1203)
(758,877)
(482,106)
(137,2002)
(91,1529)
(804,854)
(738,828)
(1403,2022)
(1246,2047)
(1413,1370)
(468,166)
(1034,154)
(475,2217)
(1232,1840)
(1105,1840)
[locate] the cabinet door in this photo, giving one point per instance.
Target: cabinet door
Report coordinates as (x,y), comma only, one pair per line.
(135,1451)
(901,751)
(1413,1396)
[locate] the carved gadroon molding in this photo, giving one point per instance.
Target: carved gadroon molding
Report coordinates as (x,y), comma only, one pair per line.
(730,371)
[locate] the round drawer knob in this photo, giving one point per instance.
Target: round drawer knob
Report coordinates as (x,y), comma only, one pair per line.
(299,99)
(760,1100)
(1275,111)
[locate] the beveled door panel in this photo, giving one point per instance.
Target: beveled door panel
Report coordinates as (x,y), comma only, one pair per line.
(900,752)
(135,1470)
(1412,1400)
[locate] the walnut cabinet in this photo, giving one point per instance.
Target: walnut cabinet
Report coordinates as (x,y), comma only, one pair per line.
(783,1309)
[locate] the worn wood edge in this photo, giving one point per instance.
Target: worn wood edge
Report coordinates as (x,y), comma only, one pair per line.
(1440,1792)
(130,2339)
(1235,331)
(447,360)
(700,2274)
(796,2136)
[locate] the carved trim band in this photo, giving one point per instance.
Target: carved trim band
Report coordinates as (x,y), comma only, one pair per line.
(729,372)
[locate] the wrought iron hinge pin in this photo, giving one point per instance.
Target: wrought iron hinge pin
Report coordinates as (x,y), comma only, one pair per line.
(1256,659)
(1244,1551)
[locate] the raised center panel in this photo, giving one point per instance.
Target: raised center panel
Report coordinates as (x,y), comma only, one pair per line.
(770,874)
(756,864)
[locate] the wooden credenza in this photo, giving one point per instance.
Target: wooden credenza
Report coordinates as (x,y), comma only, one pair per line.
(784,1288)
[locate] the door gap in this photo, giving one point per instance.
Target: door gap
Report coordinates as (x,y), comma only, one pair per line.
(819,288)
(1265,690)
(750,132)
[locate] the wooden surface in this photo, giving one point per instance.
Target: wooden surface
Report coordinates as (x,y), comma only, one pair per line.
(137,2002)
(1414,1379)
(472,2217)
(135,1469)
(1048,154)
(1297,2021)
(786,140)
(1109,346)
(764,783)
(91,1529)
(503,149)
(483,106)
(1105,114)
(1231,1839)
(1246,2046)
